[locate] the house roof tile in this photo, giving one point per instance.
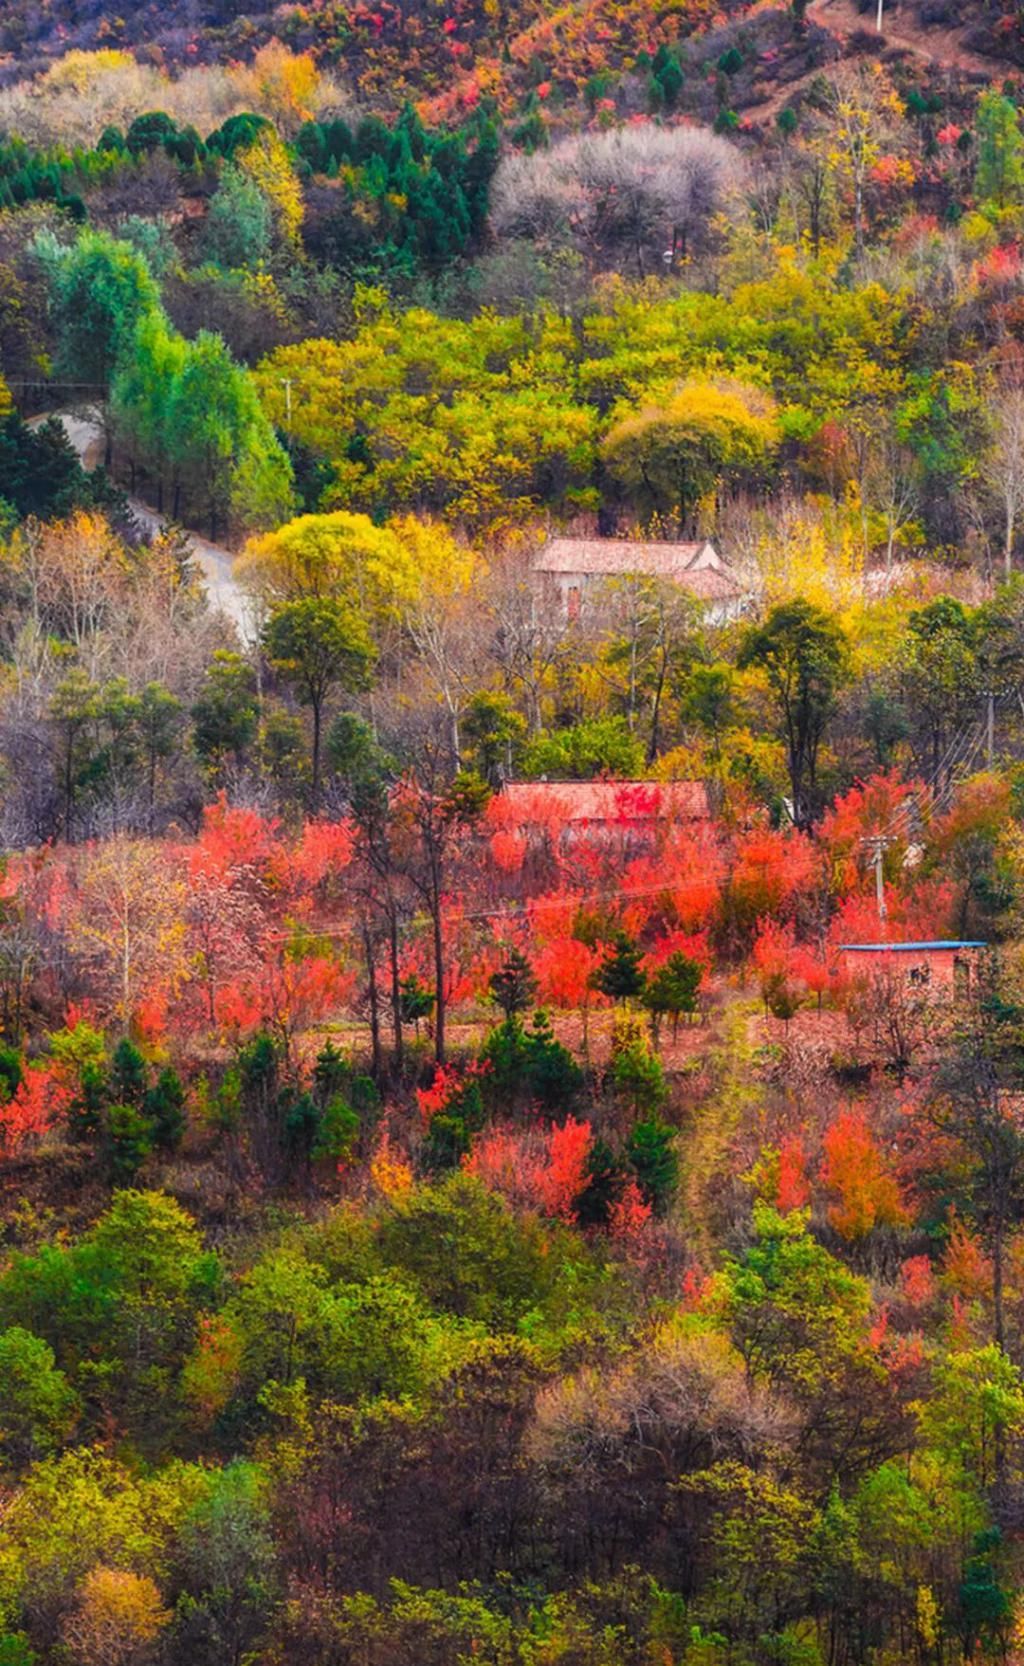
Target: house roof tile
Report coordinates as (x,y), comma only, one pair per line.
(616,557)
(522,802)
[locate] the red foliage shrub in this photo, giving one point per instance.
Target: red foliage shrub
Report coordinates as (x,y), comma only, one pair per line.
(854,1168)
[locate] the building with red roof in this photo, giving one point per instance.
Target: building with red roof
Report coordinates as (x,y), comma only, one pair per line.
(522,804)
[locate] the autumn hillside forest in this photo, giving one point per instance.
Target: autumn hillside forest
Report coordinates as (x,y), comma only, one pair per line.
(511,833)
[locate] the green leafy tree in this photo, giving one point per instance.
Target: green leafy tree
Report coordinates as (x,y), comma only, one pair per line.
(467,1252)
(319,645)
(164,1106)
(673,989)
(637,1073)
(985,1603)
(495,733)
(127,1142)
(74,708)
(128,1073)
(795,1312)
(651,1154)
(999,175)
(38,1407)
(226,1551)
(226,712)
(417,1001)
(160,719)
(100,288)
(803,654)
(594,746)
(140,400)
(708,699)
(620,974)
(513,986)
(221,440)
(939,674)
(41,472)
(239,226)
(672,456)
(119,1308)
(529,1064)
(605,1176)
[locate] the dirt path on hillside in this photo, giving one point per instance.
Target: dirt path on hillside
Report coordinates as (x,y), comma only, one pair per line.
(940,48)
(936,45)
(216,563)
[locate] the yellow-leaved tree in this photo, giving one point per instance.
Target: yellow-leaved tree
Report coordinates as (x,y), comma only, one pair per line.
(288,86)
(341,555)
(118,1617)
(674,456)
(864,116)
(409,578)
(267,163)
(126,925)
(383,571)
(813,549)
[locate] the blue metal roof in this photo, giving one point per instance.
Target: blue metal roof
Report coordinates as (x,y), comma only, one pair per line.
(905,948)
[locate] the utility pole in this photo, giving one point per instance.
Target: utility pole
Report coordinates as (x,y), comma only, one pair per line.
(877,845)
(286,383)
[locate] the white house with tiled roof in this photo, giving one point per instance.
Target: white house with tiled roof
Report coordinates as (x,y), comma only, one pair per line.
(574,569)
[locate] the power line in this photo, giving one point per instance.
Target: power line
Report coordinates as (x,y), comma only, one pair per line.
(520,913)
(955,762)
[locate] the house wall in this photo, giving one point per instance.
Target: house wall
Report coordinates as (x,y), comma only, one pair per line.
(570,592)
(942,970)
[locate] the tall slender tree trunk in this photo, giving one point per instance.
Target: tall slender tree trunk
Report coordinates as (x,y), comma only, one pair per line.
(438,933)
(69,791)
(316,704)
(439,999)
(374,999)
(999,1332)
(659,690)
(396,993)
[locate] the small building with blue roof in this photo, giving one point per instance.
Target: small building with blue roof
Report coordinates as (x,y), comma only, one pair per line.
(945,964)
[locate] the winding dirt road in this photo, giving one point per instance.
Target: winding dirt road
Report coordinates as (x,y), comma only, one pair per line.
(85,434)
(933,43)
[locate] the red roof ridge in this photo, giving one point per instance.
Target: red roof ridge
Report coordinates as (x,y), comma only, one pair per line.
(602,800)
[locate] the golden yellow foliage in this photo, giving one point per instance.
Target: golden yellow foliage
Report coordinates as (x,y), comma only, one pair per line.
(675,455)
(440,566)
(84,92)
(267,164)
(317,555)
(390,1173)
(79,70)
(289,86)
(813,552)
(380,570)
(118,1614)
